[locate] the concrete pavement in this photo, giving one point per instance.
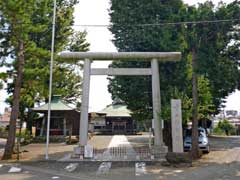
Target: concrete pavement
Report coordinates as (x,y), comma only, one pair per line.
(84,171)
(119,171)
(222,163)
(118,141)
(34,173)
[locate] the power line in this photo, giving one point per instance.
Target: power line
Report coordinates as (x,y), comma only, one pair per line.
(164,23)
(149,24)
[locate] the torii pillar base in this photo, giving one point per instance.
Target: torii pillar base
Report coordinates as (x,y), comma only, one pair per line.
(159,152)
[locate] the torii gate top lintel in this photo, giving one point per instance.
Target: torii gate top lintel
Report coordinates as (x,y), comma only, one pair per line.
(153,57)
(161,56)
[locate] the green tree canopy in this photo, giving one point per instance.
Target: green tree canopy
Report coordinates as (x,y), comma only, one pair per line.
(216,58)
(25,37)
(130,35)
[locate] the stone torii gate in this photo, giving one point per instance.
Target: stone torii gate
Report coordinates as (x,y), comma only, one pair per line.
(154,57)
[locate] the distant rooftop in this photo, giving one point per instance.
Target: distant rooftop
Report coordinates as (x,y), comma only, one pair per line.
(116,110)
(57,104)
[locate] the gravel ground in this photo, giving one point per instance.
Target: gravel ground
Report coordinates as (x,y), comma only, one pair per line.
(139,140)
(35,152)
(100,141)
(223,150)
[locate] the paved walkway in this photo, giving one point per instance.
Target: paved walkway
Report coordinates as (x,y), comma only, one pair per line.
(117,149)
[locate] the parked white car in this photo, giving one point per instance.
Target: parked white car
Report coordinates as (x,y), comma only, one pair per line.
(202,140)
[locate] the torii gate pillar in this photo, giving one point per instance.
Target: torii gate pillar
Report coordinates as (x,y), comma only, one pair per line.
(154,57)
(156,100)
(83,130)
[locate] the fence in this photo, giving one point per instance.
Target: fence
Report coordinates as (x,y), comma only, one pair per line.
(125,153)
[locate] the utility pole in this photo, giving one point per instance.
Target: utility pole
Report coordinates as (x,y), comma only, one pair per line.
(50,80)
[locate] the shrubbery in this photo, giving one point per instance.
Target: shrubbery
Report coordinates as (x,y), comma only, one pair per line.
(218,131)
(224,128)
(25,137)
(3,132)
(53,139)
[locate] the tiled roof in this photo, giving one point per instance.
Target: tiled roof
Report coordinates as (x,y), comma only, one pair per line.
(56,105)
(116,110)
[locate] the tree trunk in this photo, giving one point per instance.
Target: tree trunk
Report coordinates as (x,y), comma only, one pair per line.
(70,133)
(167,134)
(15,107)
(43,125)
(195,150)
(64,126)
(30,121)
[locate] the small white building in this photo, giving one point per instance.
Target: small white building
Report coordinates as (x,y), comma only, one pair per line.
(231,115)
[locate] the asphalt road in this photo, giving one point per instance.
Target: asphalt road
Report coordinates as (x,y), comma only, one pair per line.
(84,171)
(222,163)
(31,173)
(122,172)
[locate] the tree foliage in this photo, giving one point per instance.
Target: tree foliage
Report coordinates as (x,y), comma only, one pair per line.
(213,45)
(210,54)
(216,58)
(17,42)
(225,126)
(129,35)
(207,44)
(25,37)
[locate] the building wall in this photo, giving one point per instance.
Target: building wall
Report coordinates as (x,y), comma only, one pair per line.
(5,118)
(114,125)
(98,123)
(56,125)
